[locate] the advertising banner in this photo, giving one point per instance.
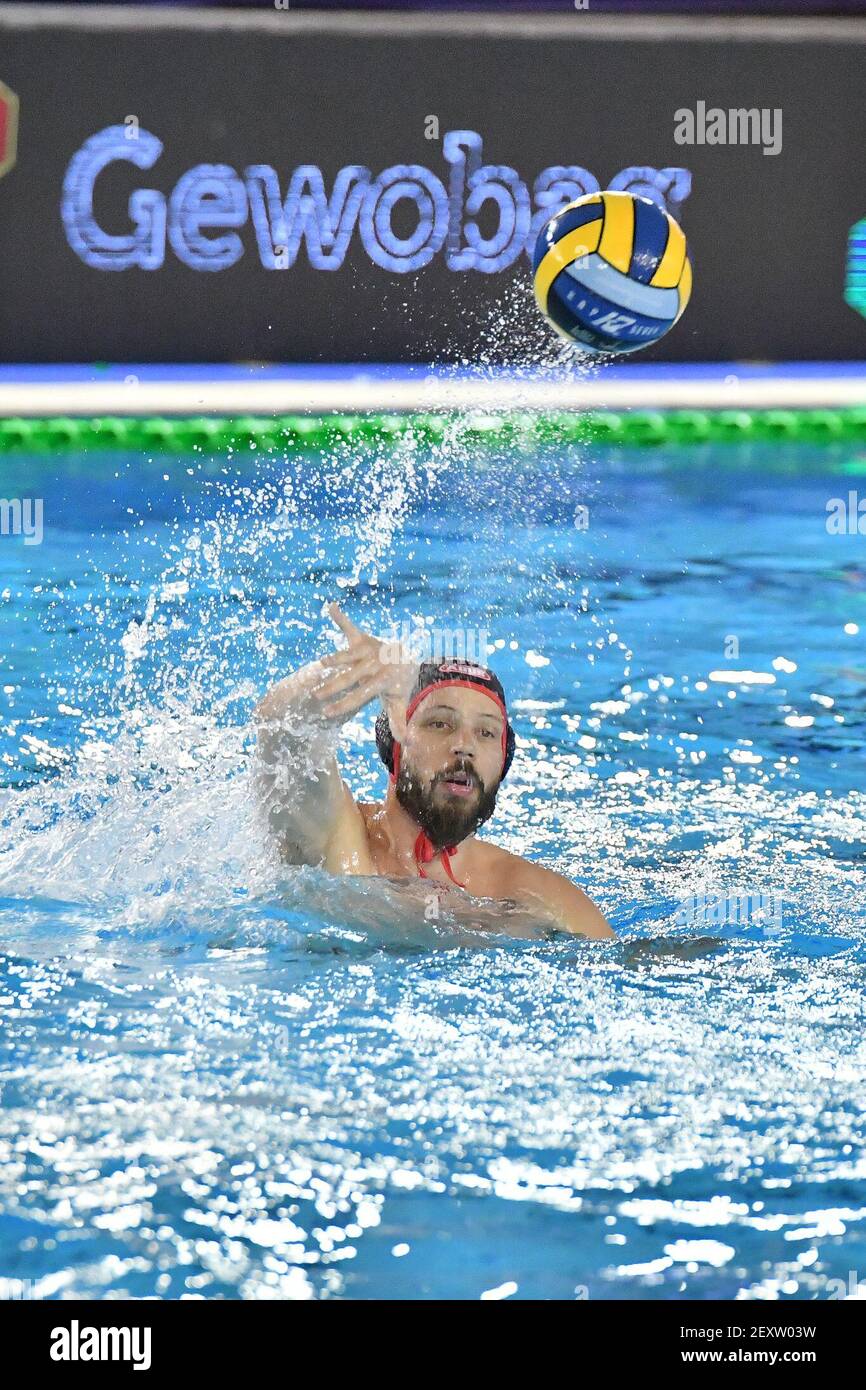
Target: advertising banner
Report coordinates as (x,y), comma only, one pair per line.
(303,188)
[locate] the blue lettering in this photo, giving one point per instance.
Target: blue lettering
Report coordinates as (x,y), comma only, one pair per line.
(145,247)
(482,183)
(667,187)
(212,197)
(380,241)
(306,213)
(554,187)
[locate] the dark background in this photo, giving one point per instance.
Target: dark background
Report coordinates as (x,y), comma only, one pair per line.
(768,235)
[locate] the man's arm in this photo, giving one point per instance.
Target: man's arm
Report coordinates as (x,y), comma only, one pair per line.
(297,778)
(562,899)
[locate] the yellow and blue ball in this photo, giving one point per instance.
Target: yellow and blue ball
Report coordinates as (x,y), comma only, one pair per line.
(611,272)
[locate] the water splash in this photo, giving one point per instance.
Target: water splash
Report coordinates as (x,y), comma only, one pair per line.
(222,1078)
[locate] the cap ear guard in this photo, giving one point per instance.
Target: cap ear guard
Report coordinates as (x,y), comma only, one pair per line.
(386,743)
(385,740)
(510,743)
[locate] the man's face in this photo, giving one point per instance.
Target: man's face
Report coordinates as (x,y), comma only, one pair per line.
(451,763)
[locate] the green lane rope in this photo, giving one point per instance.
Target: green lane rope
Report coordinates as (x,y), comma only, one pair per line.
(207,434)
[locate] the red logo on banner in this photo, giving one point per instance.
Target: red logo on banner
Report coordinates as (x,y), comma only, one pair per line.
(8,128)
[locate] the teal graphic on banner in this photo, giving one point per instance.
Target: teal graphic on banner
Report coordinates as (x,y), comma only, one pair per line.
(855,270)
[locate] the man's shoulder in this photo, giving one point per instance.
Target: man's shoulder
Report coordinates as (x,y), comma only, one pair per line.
(529,881)
(511,869)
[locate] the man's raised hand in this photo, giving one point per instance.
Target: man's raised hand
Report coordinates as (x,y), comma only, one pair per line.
(365,668)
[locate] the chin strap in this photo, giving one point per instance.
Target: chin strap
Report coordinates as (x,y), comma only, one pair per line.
(426,852)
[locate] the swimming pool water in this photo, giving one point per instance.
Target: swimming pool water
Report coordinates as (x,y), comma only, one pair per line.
(221,1078)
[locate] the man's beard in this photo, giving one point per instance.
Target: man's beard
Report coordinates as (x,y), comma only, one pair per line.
(445,822)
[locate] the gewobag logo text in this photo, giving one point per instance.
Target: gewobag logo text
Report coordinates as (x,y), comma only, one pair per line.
(201,218)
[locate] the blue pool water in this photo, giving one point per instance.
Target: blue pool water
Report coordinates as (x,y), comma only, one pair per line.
(221,1078)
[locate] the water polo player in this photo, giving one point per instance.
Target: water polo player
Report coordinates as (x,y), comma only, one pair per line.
(445,738)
